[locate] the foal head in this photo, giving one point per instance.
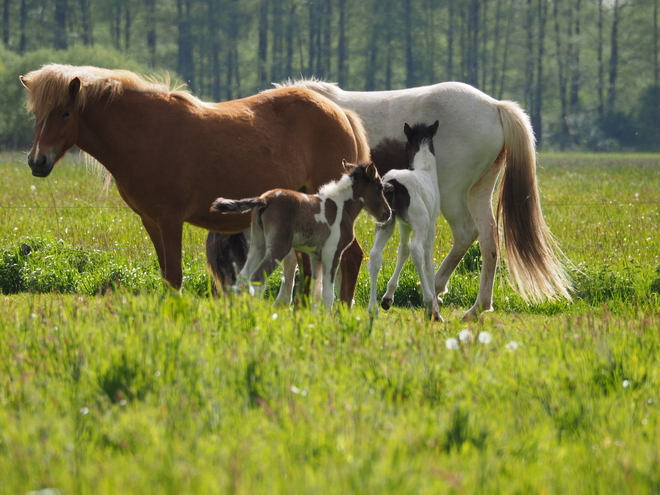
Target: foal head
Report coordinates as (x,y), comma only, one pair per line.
(418,135)
(369,188)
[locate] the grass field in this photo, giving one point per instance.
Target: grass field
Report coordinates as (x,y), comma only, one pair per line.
(109,383)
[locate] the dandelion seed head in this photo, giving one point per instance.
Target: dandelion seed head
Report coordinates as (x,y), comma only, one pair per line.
(452,344)
(485,337)
(84,411)
(512,346)
(465,335)
(626,383)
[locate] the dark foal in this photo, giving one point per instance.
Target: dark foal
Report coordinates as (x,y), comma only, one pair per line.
(319,224)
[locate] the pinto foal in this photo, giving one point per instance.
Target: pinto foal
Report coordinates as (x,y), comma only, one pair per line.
(320,224)
(415,201)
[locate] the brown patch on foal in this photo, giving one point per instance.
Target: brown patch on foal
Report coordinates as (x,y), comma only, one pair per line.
(330,211)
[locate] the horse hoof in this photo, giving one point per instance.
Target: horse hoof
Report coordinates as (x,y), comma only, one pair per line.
(386,303)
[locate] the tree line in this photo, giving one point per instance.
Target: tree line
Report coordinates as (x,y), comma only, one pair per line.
(585,70)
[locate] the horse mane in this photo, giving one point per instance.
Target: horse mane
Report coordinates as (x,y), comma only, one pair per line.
(48,87)
(327,89)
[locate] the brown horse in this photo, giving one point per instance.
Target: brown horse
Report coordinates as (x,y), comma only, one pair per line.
(171,154)
(319,224)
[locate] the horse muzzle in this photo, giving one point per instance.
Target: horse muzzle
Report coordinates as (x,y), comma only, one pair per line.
(41,166)
(385,216)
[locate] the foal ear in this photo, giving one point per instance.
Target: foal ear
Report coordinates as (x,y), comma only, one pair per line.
(371,171)
(406,130)
(25,81)
(74,87)
(434,128)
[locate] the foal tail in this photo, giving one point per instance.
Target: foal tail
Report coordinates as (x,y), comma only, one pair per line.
(531,250)
(237,205)
(360,135)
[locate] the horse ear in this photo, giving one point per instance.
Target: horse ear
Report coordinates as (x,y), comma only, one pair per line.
(74,87)
(406,130)
(25,81)
(372,172)
(434,128)
(344,164)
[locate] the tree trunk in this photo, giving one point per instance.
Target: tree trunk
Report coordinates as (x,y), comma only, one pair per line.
(214,34)
(263,44)
(537,108)
(341,49)
(529,57)
(574,98)
(185,61)
(411,80)
(6,7)
(561,71)
(61,13)
(450,40)
(151,30)
(601,68)
(22,44)
(614,58)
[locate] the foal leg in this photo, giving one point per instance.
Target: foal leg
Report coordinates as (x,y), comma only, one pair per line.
(383,234)
(402,257)
(429,269)
(350,268)
(421,229)
(289,264)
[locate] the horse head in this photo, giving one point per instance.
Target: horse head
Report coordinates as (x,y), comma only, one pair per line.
(55,131)
(368,186)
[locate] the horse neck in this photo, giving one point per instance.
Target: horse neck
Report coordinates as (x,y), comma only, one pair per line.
(109,132)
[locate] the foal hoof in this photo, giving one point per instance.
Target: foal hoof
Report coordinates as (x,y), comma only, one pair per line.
(436,317)
(386,303)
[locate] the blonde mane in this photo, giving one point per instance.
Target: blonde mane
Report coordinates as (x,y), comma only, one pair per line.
(48,87)
(327,89)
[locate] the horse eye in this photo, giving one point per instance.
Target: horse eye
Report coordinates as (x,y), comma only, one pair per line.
(66,114)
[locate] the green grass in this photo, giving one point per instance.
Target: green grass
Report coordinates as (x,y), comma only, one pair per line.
(110,383)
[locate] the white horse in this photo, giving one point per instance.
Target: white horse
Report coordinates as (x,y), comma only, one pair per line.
(477,136)
(415,202)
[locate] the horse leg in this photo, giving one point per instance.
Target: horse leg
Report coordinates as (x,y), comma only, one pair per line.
(350,268)
(171,234)
(154,234)
(479,200)
(402,257)
(464,232)
(289,264)
(383,234)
